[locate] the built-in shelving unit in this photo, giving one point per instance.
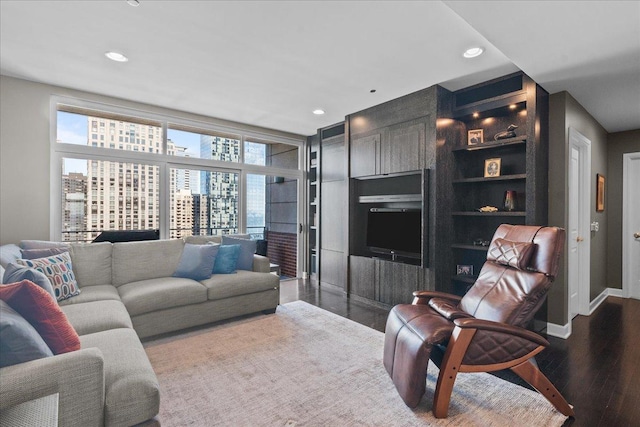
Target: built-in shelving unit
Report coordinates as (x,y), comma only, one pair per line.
(313,192)
(491,107)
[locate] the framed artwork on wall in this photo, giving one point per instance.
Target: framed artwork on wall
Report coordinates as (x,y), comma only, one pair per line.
(599,193)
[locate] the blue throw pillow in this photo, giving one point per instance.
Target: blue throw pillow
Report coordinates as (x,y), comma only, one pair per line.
(17,273)
(20,341)
(227,259)
(247,250)
(196,261)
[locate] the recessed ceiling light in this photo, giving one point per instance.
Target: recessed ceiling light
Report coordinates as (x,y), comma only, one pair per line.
(472,52)
(116,56)
(318,112)
(134,3)
(372,91)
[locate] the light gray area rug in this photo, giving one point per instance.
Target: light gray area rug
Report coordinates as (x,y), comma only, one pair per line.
(305,366)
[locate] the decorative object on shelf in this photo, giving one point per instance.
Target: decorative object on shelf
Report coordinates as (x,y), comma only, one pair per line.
(509,133)
(464,270)
(599,193)
(314,161)
(492,167)
(475,136)
(488,209)
(481,242)
(510,200)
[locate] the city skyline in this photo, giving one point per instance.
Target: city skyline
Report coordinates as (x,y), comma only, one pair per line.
(125,195)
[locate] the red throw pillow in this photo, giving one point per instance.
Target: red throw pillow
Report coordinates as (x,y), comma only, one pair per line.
(41,310)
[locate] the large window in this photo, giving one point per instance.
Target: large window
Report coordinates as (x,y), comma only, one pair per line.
(203,203)
(100,195)
(122,171)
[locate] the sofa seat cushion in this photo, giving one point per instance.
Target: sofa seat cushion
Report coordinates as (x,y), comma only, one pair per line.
(132,393)
(97,316)
(241,282)
(157,294)
(93,293)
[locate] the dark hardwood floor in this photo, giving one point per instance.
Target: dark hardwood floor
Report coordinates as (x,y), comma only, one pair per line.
(597,368)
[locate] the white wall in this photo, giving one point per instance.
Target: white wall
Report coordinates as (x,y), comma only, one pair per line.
(25,145)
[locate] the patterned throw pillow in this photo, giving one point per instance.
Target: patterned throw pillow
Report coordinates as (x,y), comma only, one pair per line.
(59,271)
(43,313)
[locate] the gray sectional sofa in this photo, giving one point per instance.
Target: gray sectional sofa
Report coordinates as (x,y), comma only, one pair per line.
(128,293)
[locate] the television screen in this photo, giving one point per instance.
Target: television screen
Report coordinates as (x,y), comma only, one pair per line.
(395,230)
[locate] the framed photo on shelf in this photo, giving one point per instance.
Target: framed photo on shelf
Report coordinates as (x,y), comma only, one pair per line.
(492,167)
(475,136)
(464,270)
(599,193)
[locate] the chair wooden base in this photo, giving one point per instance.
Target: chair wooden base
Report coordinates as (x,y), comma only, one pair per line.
(523,367)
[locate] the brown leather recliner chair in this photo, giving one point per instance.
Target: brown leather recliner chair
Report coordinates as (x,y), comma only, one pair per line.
(483,331)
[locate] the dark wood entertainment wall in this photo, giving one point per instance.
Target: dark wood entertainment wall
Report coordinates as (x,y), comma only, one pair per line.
(414,152)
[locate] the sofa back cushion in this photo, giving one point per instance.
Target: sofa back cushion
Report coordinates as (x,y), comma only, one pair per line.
(135,261)
(91,263)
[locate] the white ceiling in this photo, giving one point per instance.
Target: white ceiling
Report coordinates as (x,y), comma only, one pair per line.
(270,63)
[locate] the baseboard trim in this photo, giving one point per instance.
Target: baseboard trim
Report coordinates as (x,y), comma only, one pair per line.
(593,305)
(608,292)
(613,292)
(564,332)
(559,331)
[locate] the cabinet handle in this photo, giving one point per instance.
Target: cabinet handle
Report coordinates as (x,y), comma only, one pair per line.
(579,239)
(636,235)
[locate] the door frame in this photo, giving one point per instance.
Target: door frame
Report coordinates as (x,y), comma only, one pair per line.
(626,221)
(583,145)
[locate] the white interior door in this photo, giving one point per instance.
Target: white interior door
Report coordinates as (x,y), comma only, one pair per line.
(578,236)
(573,231)
(631,225)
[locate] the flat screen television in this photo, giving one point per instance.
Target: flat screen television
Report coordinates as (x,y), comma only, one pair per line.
(395,231)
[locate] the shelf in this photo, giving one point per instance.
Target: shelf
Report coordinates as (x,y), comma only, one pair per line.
(313,183)
(313,203)
(499,213)
(464,278)
(313,166)
(497,178)
(313,227)
(518,140)
(385,198)
(470,247)
(465,112)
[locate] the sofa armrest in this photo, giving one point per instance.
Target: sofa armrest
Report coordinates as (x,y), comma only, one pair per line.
(77,377)
(261,264)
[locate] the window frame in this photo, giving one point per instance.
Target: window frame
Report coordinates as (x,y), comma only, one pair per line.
(164,161)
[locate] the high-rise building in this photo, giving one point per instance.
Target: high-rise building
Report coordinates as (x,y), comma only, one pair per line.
(74,208)
(122,195)
(220,187)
